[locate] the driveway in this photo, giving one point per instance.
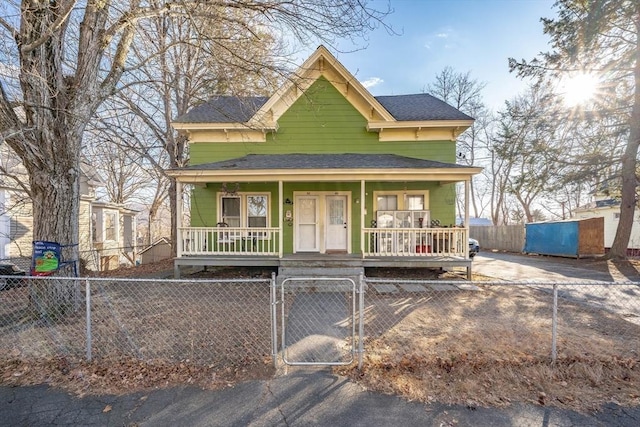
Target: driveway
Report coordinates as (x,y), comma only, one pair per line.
(520,267)
(595,283)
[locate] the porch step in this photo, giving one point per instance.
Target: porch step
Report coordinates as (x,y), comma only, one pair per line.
(326,262)
(312,272)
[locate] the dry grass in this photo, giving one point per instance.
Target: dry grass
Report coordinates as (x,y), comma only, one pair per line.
(493,347)
(478,348)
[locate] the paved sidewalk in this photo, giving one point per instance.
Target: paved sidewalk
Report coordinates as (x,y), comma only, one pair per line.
(301,398)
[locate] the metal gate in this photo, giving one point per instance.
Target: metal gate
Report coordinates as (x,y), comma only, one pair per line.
(317,321)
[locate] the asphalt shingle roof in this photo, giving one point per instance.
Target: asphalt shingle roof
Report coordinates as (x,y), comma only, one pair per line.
(224,109)
(322,161)
(420,107)
(232,109)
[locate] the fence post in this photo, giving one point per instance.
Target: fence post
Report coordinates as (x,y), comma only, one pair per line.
(88,311)
(274,325)
(554,325)
(360,320)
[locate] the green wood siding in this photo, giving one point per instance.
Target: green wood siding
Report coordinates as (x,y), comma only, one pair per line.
(322,121)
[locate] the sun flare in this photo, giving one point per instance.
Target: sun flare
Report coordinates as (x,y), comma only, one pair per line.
(578,89)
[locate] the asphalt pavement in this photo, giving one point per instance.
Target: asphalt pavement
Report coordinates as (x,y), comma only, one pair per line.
(520,267)
(309,397)
(300,398)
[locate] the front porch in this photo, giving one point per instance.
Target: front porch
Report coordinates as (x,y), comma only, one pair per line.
(381,247)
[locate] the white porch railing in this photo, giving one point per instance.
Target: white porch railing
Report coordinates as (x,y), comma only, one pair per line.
(426,242)
(228,241)
(379,242)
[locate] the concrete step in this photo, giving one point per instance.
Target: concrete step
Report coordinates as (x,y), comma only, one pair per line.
(312,271)
(333,262)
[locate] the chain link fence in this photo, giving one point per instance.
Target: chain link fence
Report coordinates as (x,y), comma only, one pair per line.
(318,321)
(217,322)
(501,320)
(206,322)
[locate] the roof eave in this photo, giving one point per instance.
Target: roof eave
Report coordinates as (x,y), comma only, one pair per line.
(325,175)
(225,126)
(447,124)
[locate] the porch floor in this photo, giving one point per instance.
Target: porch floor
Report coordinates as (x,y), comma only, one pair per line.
(315,260)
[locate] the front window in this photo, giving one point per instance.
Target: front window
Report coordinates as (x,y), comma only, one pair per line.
(257,211)
(231,211)
(401,209)
(415,203)
(245,210)
(387,202)
(109,226)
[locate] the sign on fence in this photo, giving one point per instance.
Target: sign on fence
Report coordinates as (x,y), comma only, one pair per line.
(46,258)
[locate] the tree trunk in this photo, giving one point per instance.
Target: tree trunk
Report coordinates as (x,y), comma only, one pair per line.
(55,194)
(629,162)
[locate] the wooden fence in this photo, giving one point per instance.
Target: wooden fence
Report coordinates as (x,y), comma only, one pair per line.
(508,238)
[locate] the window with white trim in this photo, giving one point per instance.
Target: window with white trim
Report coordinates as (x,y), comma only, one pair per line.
(231,211)
(402,209)
(110,226)
(401,200)
(245,210)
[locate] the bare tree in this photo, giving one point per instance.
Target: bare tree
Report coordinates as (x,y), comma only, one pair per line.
(126,175)
(69,59)
(463,92)
(528,146)
(190,63)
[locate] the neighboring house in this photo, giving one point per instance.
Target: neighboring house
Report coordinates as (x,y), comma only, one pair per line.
(157,251)
(324,171)
(107,230)
(609,209)
(113,233)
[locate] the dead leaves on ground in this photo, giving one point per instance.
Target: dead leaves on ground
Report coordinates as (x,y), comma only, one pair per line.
(125,375)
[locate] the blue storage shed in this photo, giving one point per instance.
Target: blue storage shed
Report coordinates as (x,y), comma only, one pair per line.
(571,238)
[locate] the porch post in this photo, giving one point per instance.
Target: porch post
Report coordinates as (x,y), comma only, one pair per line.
(362,216)
(466,202)
(467,187)
(280,219)
(178,218)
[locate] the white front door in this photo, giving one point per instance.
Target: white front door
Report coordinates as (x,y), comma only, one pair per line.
(307,235)
(336,221)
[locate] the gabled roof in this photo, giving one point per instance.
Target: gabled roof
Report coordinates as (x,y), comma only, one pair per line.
(162,240)
(415,111)
(599,204)
(224,109)
(232,109)
(420,107)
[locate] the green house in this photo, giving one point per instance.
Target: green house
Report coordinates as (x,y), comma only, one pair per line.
(324,172)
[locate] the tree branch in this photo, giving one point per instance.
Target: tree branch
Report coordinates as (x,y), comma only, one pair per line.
(55,26)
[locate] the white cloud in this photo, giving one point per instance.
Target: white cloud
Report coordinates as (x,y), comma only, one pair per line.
(371,82)
(445,38)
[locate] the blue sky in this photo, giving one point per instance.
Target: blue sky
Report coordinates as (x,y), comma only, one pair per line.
(469,35)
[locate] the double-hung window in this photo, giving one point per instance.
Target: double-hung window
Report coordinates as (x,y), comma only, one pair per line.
(245,210)
(231,214)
